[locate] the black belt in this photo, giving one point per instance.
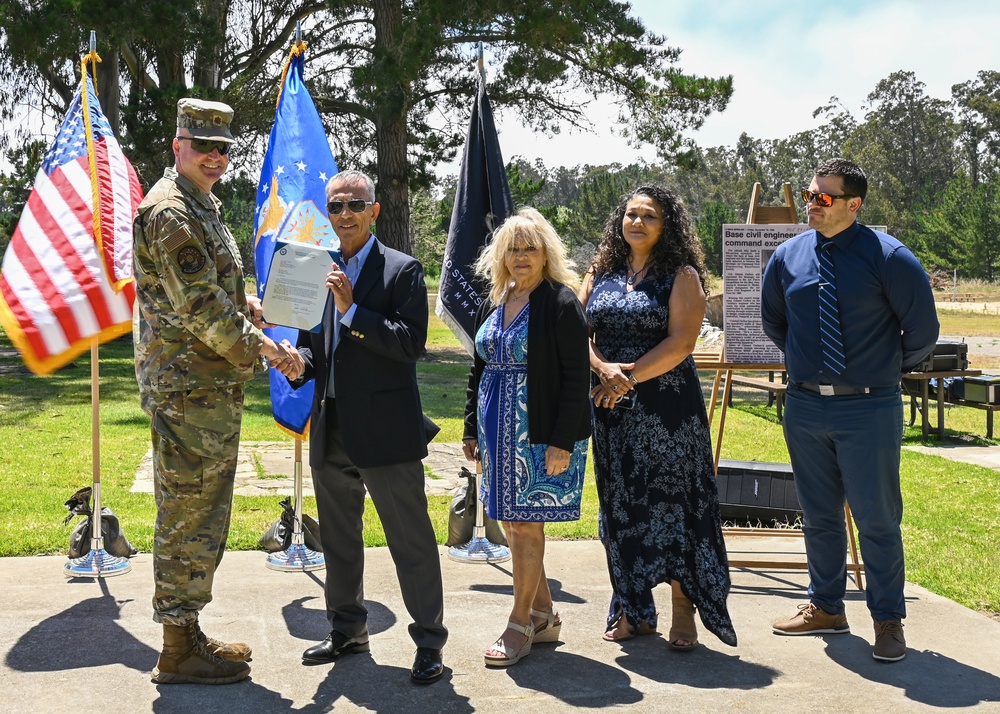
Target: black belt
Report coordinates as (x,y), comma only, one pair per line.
(833,390)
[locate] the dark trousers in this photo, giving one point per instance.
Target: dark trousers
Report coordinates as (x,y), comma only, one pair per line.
(848,447)
(398,494)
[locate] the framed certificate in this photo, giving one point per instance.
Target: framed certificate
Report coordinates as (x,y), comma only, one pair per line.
(295,294)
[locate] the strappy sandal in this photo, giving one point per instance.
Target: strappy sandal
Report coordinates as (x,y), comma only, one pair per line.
(548,631)
(644,628)
(510,657)
(682,626)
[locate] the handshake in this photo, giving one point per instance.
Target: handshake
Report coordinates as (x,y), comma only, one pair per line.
(283,357)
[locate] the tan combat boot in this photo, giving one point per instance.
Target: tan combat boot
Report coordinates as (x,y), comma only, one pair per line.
(185,660)
(230,651)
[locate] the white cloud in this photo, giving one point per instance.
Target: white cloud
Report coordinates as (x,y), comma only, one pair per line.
(787,60)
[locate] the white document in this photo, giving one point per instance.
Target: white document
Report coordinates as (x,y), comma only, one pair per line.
(295,294)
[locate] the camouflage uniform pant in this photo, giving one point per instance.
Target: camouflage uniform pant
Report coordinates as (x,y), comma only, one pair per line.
(196,438)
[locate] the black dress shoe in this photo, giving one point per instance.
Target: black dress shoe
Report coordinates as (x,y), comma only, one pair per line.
(427,667)
(335,645)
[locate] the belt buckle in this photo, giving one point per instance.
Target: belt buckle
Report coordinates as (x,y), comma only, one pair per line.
(826,390)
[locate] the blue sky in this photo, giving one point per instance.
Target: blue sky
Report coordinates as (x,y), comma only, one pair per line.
(787,59)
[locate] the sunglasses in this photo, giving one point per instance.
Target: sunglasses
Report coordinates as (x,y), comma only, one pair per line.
(206,146)
(356,205)
(823,199)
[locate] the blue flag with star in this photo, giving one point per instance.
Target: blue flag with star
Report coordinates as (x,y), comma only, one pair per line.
(293,179)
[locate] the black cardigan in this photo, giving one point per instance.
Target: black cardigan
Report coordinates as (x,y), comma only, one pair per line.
(558,369)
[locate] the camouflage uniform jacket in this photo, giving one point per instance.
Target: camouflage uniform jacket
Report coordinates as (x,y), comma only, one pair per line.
(191,325)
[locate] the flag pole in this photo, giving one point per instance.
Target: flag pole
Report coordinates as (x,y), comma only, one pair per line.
(97,563)
(298,556)
(480,549)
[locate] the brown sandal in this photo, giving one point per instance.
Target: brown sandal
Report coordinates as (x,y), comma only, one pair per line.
(683,635)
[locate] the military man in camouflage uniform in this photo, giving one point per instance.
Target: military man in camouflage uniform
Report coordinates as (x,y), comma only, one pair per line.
(196,343)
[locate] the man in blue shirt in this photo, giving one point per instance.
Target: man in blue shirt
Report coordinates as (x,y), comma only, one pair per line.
(368,433)
(852,309)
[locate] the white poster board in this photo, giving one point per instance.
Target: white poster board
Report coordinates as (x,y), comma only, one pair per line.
(746,249)
(295,294)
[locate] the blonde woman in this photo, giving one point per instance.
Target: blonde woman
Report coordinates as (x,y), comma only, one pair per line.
(527,415)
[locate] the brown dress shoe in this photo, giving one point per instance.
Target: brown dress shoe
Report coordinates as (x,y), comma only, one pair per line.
(812,620)
(890,645)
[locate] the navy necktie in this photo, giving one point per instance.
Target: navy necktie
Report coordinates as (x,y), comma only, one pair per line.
(831,342)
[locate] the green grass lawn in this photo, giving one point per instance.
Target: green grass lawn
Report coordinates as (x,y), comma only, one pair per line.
(45,455)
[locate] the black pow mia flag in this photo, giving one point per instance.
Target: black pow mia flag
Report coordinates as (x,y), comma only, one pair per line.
(482,203)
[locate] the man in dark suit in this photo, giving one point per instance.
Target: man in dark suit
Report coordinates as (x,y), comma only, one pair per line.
(368,431)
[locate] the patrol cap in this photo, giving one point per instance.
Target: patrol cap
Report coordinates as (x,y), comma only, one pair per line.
(205,119)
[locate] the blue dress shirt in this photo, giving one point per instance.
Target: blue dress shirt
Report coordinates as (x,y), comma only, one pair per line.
(887,314)
(352,270)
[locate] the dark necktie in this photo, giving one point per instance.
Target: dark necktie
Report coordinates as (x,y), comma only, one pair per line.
(831,342)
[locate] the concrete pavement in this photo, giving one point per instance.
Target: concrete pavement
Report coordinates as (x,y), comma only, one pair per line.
(89,645)
(86,645)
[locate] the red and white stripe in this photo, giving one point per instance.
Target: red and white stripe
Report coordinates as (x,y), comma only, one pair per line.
(118,187)
(55,294)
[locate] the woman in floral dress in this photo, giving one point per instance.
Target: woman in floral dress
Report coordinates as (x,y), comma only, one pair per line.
(527,415)
(659,519)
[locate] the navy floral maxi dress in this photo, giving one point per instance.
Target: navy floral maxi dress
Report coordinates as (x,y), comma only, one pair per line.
(659,517)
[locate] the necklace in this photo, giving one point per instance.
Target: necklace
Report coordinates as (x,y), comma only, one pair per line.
(635,274)
(511,293)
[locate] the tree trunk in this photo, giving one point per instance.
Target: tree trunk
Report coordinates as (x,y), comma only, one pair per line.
(392,190)
(109,90)
(208,50)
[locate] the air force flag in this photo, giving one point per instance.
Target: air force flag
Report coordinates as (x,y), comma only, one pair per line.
(293,179)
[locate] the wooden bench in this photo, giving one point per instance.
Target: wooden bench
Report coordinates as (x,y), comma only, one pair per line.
(988,408)
(912,391)
(775,390)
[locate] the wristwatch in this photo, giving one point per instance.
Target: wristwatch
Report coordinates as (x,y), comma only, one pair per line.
(631,377)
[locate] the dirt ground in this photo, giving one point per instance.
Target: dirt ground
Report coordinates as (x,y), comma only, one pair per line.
(984,352)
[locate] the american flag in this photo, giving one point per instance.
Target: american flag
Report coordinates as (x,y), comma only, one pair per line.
(55,292)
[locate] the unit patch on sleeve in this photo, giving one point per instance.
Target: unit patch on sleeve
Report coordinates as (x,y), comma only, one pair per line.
(190,259)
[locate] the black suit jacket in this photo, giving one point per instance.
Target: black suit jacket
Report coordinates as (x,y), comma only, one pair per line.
(375,373)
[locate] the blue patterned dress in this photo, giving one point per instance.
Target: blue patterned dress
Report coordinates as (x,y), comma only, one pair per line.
(515,485)
(659,518)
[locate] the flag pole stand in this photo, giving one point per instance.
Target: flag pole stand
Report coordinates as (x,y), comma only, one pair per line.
(98,563)
(298,557)
(480,549)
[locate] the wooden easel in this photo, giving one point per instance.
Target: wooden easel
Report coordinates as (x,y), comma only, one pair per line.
(763,215)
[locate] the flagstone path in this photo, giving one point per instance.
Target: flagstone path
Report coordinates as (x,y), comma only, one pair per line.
(267,468)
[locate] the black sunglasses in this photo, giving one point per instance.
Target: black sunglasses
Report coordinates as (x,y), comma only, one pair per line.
(356,205)
(823,199)
(207,146)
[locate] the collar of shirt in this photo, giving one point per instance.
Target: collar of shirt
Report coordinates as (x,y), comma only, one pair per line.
(841,241)
(353,266)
